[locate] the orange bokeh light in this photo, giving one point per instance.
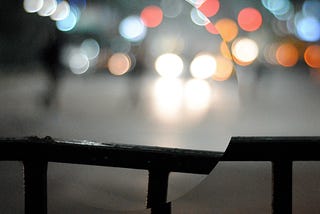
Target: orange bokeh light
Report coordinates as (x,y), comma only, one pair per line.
(312,56)
(210,7)
(249,19)
(227,28)
(224,69)
(224,50)
(287,55)
(151,16)
(119,64)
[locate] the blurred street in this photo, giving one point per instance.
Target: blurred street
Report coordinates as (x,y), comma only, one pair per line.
(101,108)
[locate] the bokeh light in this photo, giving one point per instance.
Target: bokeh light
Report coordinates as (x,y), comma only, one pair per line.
(312,56)
(210,7)
(287,55)
(196,3)
(281,9)
(68,23)
(244,51)
(171,9)
(287,14)
(311,8)
(203,66)
(32,6)
(78,3)
(227,29)
(224,69)
(78,63)
(269,53)
(224,50)
(249,19)
(169,65)
(48,8)
(307,27)
(132,29)
(211,28)
(62,11)
(198,18)
(151,16)
(119,64)
(90,48)
(274,5)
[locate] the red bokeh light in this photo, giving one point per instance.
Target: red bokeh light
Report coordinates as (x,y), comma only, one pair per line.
(151,16)
(249,19)
(211,28)
(210,7)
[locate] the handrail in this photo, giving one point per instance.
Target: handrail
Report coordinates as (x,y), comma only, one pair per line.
(109,154)
(273,149)
(37,152)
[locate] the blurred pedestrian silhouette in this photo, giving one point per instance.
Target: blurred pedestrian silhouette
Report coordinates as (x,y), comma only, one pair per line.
(53,67)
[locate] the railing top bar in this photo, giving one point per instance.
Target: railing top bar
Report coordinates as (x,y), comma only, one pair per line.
(109,154)
(273,149)
(159,158)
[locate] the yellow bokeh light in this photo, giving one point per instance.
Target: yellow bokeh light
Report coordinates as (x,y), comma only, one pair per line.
(119,64)
(244,51)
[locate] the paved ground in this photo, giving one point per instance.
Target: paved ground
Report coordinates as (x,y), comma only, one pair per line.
(109,109)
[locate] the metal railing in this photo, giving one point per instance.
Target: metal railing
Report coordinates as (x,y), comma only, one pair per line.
(35,153)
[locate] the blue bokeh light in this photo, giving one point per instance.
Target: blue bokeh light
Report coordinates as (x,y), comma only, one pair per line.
(308,28)
(68,23)
(132,29)
(311,8)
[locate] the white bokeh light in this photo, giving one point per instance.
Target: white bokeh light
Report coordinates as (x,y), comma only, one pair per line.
(198,18)
(90,48)
(62,11)
(203,66)
(48,8)
(78,63)
(244,50)
(169,65)
(32,6)
(132,29)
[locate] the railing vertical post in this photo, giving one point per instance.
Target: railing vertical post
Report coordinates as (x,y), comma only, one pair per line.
(282,187)
(35,186)
(157,192)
